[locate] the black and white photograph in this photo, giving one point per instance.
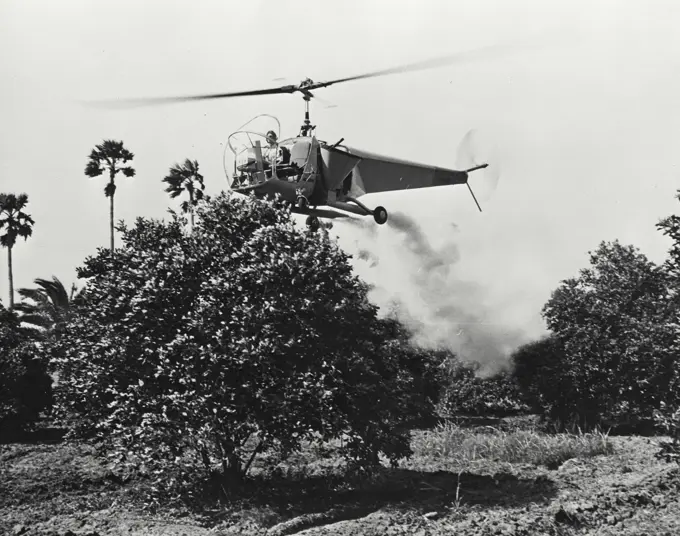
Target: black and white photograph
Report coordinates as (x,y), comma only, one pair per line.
(369,267)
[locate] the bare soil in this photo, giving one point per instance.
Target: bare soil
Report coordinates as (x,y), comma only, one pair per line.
(48,487)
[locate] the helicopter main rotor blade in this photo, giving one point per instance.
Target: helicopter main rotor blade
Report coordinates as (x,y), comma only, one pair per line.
(167,100)
(460,57)
(308,85)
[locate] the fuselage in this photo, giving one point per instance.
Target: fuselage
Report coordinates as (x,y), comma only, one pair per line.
(310,172)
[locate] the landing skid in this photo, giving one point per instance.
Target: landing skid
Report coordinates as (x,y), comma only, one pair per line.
(354,206)
(357,207)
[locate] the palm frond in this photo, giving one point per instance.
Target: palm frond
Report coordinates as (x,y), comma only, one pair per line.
(93,168)
(174,182)
(191,166)
(55,290)
(34,294)
(26,307)
(18,224)
(184,177)
(36,319)
(109,153)
(24,231)
(49,304)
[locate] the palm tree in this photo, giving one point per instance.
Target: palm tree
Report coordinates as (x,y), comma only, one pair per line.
(111,155)
(186,177)
(16,224)
(49,305)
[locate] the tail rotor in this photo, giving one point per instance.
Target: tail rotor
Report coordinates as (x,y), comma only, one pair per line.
(476,154)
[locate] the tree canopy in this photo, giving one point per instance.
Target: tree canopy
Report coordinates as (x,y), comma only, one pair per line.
(246,336)
(612,353)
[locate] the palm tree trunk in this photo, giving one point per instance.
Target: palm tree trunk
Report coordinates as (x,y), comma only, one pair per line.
(191,209)
(11,278)
(111,217)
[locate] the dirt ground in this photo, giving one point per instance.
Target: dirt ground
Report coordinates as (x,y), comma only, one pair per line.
(52,488)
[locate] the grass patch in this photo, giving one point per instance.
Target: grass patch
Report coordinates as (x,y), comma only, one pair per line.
(451,442)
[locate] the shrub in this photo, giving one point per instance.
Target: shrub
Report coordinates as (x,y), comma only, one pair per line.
(667,419)
(614,346)
(539,371)
(467,393)
(244,337)
(25,385)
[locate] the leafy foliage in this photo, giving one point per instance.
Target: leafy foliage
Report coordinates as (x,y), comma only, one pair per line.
(538,370)
(25,385)
(246,337)
(611,358)
(667,418)
(670,227)
(467,393)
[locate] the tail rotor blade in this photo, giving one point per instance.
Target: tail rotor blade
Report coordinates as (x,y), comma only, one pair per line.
(473,196)
(475,153)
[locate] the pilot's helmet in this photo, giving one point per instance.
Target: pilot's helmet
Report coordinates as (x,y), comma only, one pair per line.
(271,137)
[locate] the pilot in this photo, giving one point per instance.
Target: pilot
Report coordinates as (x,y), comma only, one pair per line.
(271,152)
(274,152)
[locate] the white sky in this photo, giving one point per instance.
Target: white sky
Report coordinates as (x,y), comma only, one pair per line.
(587,124)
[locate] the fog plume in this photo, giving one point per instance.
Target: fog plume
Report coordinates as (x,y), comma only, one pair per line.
(420,283)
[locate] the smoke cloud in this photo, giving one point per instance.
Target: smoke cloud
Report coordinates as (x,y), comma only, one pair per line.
(420,283)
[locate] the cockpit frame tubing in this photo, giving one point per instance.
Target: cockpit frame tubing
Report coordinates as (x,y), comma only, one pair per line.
(241,130)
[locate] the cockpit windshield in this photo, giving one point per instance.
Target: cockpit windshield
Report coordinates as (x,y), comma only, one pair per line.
(242,142)
(256,155)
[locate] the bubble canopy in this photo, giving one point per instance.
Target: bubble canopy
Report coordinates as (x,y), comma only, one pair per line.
(242,142)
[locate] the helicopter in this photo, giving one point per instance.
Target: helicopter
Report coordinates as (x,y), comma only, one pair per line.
(312,175)
(309,173)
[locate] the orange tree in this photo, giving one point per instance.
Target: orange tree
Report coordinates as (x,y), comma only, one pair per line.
(668,416)
(613,352)
(247,336)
